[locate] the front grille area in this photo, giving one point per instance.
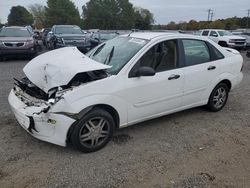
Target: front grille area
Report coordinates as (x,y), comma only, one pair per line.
(8,44)
(240,40)
(20,44)
(14,44)
(241,43)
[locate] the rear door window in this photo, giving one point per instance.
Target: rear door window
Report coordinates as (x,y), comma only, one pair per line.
(195,51)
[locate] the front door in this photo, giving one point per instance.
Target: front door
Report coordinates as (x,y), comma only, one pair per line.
(152,96)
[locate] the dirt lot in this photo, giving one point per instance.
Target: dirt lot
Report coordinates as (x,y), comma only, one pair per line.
(194,148)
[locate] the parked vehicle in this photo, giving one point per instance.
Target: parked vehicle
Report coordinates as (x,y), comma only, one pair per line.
(100,37)
(67,97)
(67,35)
(17,40)
(247,37)
(37,34)
(225,38)
(44,33)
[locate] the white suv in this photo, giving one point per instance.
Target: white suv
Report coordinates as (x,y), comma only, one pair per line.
(70,97)
(225,38)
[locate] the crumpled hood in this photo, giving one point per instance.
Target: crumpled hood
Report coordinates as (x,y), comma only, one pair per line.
(58,67)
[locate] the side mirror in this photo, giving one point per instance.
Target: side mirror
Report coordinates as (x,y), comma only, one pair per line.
(145,71)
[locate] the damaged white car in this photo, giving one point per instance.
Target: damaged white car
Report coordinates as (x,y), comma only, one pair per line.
(67,97)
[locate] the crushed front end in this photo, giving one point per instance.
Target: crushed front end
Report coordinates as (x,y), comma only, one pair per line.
(31,107)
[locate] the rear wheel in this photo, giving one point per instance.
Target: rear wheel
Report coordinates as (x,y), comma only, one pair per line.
(218,97)
(93,131)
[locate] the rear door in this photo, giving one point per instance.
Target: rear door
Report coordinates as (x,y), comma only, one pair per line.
(200,71)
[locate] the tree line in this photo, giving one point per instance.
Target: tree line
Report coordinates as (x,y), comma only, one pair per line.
(97,14)
(107,14)
(228,24)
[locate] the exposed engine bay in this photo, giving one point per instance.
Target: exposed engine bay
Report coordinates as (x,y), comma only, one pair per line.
(25,86)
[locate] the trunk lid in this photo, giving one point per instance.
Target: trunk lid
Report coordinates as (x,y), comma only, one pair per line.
(58,67)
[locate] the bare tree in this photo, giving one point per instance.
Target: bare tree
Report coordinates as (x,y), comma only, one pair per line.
(39,13)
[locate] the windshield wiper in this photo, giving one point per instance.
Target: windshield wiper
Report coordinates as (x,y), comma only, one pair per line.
(98,49)
(109,56)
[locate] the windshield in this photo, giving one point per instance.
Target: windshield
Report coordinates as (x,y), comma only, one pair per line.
(68,30)
(108,36)
(225,33)
(14,32)
(116,52)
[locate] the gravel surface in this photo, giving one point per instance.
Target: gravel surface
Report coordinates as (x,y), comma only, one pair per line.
(193,148)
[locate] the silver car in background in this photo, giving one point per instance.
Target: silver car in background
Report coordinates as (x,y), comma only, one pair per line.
(15,40)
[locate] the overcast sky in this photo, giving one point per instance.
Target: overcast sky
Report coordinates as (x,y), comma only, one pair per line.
(164,10)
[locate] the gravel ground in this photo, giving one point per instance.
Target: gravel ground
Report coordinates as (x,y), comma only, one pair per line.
(193,148)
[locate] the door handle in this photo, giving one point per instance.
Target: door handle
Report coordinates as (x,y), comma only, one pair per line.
(174,76)
(211,68)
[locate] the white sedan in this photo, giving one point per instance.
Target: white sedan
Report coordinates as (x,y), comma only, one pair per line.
(67,97)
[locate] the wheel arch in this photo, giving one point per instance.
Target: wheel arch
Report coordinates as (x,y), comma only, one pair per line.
(227,82)
(110,109)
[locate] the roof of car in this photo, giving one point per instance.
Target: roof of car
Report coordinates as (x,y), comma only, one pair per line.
(213,29)
(152,35)
(66,26)
(15,27)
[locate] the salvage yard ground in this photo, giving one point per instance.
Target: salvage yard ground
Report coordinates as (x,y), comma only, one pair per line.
(194,148)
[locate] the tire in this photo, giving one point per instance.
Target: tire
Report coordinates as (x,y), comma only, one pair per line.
(93,131)
(218,97)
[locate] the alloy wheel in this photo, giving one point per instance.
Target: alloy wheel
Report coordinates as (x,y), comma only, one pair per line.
(94,132)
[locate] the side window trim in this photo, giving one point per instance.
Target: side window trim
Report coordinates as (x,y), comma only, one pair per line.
(183,51)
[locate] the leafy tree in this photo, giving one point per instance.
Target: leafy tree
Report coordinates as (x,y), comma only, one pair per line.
(217,24)
(229,24)
(172,26)
(192,25)
(143,18)
(39,13)
(115,14)
(102,14)
(126,14)
(62,12)
(19,15)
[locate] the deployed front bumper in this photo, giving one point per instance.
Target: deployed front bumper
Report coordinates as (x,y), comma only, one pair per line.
(49,127)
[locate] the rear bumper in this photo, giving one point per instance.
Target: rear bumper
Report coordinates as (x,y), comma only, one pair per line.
(237,80)
(48,126)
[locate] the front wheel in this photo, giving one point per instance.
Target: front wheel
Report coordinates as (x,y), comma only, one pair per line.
(93,131)
(218,97)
